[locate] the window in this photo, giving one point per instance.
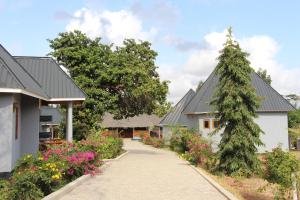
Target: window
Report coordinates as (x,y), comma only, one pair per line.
(206,124)
(16,118)
(216,123)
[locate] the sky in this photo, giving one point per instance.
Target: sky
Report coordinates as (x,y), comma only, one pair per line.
(187,35)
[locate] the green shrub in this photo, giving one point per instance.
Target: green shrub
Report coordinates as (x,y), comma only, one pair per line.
(180,138)
(154,141)
(107,146)
(280,166)
(4,189)
(29,185)
(199,151)
(157,142)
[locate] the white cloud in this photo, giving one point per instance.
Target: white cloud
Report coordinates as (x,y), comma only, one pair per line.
(112,26)
(200,63)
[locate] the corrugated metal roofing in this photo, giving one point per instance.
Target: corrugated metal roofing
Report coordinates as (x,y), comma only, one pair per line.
(14,76)
(53,80)
(272,100)
(175,117)
(131,122)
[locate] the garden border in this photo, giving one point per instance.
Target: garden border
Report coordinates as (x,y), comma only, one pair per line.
(72,185)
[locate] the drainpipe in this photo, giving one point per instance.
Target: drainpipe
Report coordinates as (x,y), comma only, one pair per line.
(70,122)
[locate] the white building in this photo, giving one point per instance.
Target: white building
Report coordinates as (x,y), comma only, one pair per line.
(197,114)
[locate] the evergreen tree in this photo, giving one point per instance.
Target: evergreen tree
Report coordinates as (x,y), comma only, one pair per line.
(235,101)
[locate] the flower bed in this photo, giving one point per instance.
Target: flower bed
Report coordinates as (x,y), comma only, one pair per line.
(273,181)
(153,141)
(37,176)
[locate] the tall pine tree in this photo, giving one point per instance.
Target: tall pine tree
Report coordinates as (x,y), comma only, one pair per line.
(235,101)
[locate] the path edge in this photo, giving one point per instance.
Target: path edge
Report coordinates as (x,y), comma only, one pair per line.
(72,185)
(216,185)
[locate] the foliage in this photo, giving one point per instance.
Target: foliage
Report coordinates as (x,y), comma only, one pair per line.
(35,177)
(294,119)
(236,102)
(193,147)
(154,141)
(200,152)
(107,146)
(263,74)
(280,166)
(121,80)
(180,138)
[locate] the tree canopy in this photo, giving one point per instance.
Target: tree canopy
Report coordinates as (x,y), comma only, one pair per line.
(121,80)
(235,101)
(263,74)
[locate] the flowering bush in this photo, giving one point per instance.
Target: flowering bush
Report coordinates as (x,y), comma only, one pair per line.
(199,152)
(180,139)
(154,141)
(106,146)
(37,176)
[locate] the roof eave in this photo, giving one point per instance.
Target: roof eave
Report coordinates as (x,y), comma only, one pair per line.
(22,91)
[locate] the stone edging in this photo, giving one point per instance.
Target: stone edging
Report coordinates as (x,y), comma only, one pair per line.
(216,185)
(70,186)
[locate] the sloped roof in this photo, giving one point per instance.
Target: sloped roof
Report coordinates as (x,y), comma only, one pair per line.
(272,100)
(136,121)
(14,76)
(175,117)
(53,80)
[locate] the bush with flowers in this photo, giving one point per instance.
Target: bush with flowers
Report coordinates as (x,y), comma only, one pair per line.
(154,141)
(37,176)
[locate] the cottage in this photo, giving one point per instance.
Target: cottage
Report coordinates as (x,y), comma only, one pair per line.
(26,83)
(272,113)
(132,127)
(176,118)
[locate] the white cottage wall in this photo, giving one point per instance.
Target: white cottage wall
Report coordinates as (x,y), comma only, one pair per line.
(274,125)
(6,132)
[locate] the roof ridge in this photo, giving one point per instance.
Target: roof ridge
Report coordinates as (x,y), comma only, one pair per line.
(186,94)
(12,73)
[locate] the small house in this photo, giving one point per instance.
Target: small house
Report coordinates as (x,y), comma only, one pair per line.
(27,83)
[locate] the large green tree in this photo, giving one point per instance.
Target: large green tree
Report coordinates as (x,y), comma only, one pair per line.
(235,101)
(120,80)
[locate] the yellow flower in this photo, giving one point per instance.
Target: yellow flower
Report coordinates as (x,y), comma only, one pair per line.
(41,158)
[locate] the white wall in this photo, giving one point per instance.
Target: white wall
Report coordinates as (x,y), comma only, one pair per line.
(11,149)
(16,143)
(6,132)
(274,125)
(30,120)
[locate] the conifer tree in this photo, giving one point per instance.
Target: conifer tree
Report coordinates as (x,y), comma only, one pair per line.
(235,101)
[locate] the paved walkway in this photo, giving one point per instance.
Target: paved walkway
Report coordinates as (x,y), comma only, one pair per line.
(146,173)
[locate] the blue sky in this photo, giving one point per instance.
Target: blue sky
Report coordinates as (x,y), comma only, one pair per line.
(181,32)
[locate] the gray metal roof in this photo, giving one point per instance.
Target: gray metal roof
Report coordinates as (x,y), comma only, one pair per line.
(53,80)
(272,100)
(14,76)
(175,117)
(131,122)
